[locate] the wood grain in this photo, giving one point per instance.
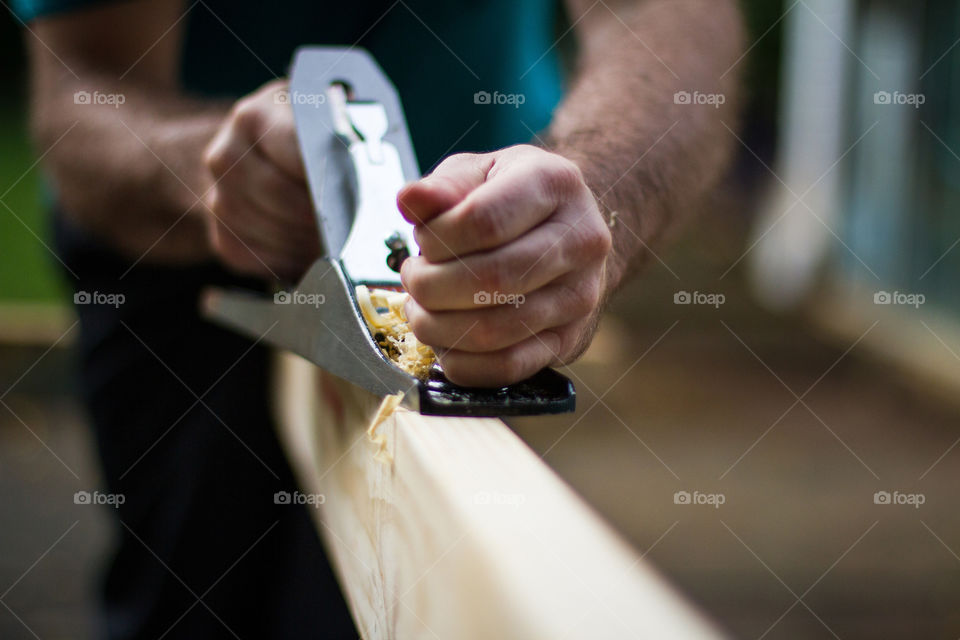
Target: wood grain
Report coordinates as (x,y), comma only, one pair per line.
(458,530)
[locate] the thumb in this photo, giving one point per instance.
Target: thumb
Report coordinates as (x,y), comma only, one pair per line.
(444,188)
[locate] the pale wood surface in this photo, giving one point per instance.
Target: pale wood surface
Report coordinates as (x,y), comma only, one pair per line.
(915,343)
(458,530)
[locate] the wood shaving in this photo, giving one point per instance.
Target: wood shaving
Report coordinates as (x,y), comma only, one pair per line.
(387,407)
(383,312)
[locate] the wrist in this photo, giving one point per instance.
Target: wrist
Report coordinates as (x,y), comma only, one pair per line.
(618,257)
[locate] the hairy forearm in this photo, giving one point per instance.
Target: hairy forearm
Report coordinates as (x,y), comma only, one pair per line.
(647,158)
(132,174)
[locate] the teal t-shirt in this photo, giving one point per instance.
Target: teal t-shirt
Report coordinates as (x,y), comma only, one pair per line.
(445,57)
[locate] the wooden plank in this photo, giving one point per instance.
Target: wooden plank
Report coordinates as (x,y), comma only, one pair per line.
(921,345)
(454,528)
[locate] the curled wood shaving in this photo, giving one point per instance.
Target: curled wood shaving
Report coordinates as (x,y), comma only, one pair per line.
(387,407)
(383,312)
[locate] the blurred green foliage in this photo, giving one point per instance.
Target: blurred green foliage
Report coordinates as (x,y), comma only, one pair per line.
(28,271)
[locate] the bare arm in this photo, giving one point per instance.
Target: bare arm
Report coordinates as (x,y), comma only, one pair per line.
(147,168)
(111,169)
(645,156)
(538,225)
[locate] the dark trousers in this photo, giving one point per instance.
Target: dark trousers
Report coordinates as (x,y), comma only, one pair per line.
(180,413)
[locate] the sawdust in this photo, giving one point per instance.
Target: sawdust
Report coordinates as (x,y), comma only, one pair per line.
(387,321)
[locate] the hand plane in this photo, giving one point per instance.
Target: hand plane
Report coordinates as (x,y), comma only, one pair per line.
(358,154)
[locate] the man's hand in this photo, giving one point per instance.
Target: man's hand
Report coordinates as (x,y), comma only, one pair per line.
(259,216)
(511,271)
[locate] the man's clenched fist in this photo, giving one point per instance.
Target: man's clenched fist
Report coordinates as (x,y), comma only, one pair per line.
(259,216)
(511,271)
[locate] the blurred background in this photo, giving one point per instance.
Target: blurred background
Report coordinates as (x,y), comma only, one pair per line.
(794,356)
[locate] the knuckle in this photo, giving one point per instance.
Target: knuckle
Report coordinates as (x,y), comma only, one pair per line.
(579,298)
(588,297)
(532,181)
(247,114)
(485,335)
(512,366)
(452,162)
(493,275)
(484,220)
(219,157)
(522,154)
(598,240)
(590,240)
(583,300)
(561,177)
(528,148)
